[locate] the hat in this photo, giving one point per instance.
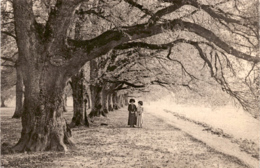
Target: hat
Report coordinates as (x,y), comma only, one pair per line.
(132,100)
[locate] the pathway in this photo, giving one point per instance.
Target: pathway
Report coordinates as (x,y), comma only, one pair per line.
(157,144)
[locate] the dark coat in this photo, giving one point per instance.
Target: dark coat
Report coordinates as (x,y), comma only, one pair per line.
(132,108)
(131,116)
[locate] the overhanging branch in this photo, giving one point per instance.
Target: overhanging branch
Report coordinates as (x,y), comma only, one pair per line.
(85,50)
(126,83)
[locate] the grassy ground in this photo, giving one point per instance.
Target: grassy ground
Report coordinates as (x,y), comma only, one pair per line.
(157,144)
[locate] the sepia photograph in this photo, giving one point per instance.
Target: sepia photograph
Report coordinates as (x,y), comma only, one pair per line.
(130,84)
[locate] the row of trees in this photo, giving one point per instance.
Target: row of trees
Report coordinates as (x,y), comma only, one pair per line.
(126,43)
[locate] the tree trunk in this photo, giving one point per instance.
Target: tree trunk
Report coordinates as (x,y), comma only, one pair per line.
(110,107)
(126,99)
(96,101)
(85,111)
(118,100)
(64,98)
(96,91)
(45,71)
(78,100)
(43,124)
(121,100)
(104,102)
(115,101)
(88,101)
(19,92)
(3,102)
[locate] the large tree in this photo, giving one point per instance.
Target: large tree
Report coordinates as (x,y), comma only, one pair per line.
(79,94)
(50,55)
(9,53)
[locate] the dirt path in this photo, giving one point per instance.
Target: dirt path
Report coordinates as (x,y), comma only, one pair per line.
(215,141)
(156,145)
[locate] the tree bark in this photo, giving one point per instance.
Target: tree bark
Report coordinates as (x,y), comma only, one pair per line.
(42,53)
(77,94)
(96,90)
(43,124)
(78,100)
(96,103)
(19,92)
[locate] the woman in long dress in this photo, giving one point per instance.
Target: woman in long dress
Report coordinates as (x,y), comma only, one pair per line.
(132,113)
(140,110)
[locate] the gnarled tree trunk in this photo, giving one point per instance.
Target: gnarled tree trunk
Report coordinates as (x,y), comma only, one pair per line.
(19,92)
(44,127)
(43,54)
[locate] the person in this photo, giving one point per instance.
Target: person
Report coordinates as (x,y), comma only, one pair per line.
(140,111)
(132,113)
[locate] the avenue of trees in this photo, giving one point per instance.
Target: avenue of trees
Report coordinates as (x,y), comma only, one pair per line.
(101,51)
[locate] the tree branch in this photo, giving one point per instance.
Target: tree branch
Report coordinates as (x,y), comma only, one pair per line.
(59,20)
(165,11)
(219,14)
(23,16)
(12,66)
(9,34)
(108,40)
(8,59)
(135,4)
